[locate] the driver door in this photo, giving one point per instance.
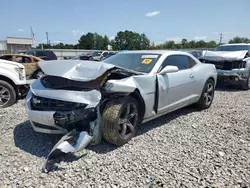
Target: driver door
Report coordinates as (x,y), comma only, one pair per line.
(177,88)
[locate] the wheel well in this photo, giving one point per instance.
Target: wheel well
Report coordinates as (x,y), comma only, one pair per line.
(211,78)
(6,79)
(136,94)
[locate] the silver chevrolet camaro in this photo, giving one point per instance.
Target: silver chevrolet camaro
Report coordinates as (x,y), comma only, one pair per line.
(109,99)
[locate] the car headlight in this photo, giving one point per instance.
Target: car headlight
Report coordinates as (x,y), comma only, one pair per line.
(20,72)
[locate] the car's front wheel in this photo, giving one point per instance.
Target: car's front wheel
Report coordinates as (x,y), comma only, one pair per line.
(7,94)
(207,95)
(119,121)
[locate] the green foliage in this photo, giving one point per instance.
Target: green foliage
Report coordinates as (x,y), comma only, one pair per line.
(239,40)
(130,40)
(185,44)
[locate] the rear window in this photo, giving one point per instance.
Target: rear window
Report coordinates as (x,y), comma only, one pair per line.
(233,48)
(51,55)
(40,53)
(30,52)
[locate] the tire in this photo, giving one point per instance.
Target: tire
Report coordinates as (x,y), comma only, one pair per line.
(119,121)
(246,85)
(207,95)
(6,90)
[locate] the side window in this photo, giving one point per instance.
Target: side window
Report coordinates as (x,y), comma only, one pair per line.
(181,61)
(191,62)
(40,54)
(9,58)
(50,55)
(21,59)
(105,54)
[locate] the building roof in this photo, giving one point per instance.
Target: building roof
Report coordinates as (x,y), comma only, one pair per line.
(16,40)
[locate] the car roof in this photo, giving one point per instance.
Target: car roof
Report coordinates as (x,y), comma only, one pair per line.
(37,50)
(235,44)
(22,55)
(160,52)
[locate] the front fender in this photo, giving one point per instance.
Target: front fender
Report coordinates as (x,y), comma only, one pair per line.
(12,75)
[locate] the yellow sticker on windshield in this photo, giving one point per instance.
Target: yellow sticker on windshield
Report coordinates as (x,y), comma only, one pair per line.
(146,61)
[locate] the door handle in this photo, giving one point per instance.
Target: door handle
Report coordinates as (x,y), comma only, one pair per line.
(191,76)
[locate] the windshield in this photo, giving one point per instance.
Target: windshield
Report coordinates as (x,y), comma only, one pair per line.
(96,53)
(233,48)
(140,62)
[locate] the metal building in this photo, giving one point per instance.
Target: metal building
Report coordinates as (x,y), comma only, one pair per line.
(14,44)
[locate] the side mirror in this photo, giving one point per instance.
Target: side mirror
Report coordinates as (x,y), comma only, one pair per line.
(169,69)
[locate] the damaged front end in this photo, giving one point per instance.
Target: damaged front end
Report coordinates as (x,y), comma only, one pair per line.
(232,67)
(70,103)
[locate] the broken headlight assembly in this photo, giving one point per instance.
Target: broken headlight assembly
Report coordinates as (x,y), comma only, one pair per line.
(20,72)
(47,104)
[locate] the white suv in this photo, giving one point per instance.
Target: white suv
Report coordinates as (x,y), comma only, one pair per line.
(13,84)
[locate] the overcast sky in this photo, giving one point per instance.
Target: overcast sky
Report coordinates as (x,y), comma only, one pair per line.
(160,20)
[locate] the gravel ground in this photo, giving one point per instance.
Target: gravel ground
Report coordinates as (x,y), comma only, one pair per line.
(183,149)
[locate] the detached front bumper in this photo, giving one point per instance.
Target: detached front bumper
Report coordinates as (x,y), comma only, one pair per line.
(55,121)
(235,77)
(42,121)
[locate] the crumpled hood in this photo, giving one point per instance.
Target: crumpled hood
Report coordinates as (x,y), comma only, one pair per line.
(75,69)
(2,61)
(223,55)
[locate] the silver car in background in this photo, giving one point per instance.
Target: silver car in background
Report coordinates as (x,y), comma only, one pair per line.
(232,62)
(109,99)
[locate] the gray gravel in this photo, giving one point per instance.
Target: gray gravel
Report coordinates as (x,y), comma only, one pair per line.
(183,149)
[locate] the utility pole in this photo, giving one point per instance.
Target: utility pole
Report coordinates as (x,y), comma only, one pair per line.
(47,36)
(220,38)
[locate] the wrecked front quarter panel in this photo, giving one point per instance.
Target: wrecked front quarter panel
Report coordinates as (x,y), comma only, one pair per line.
(146,85)
(223,55)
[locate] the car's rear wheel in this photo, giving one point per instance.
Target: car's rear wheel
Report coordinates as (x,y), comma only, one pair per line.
(207,95)
(119,121)
(7,94)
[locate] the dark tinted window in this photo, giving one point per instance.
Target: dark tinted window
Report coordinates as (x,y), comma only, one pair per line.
(50,55)
(233,48)
(191,62)
(30,52)
(9,58)
(181,61)
(40,53)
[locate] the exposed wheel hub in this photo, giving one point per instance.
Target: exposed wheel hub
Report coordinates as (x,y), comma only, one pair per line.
(128,120)
(208,95)
(4,96)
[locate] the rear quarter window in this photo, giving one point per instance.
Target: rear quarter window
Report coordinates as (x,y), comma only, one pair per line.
(50,55)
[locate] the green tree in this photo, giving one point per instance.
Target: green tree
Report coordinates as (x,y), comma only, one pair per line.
(106,42)
(183,43)
(98,42)
(145,42)
(129,40)
(169,45)
(239,40)
(87,41)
